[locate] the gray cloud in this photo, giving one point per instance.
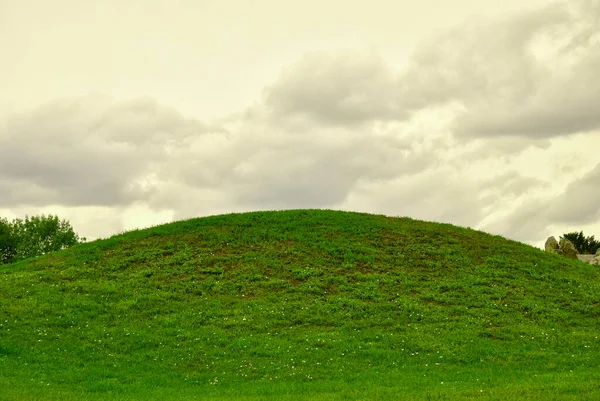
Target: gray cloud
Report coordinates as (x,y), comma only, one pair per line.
(577,205)
(528,222)
(315,171)
(580,202)
(94,152)
(87,152)
(440,194)
(532,75)
(511,183)
(345,87)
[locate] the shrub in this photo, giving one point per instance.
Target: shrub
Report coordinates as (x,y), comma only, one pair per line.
(582,243)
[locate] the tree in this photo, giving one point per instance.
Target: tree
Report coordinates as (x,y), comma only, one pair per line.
(34,236)
(583,244)
(8,243)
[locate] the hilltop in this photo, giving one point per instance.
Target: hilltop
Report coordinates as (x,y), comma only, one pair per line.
(302,304)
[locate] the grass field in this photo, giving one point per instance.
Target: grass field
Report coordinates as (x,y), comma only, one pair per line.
(305,304)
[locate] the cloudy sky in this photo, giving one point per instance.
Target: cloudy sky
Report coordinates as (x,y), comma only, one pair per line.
(121,114)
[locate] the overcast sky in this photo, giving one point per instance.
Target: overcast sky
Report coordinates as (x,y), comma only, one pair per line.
(121,114)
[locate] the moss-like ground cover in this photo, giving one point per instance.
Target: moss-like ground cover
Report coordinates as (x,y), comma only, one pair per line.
(305,304)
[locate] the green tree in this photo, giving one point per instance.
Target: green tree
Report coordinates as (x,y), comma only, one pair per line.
(582,243)
(8,243)
(34,236)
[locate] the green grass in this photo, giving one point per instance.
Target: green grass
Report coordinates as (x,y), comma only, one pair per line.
(305,304)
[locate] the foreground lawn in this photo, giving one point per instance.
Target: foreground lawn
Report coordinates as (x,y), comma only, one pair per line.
(304,304)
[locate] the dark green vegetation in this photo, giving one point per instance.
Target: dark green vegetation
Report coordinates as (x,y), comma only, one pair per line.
(583,244)
(312,305)
(34,236)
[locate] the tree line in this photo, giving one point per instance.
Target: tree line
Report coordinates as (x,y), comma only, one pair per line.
(33,236)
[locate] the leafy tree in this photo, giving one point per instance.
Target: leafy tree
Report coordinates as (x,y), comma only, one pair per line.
(8,243)
(34,236)
(582,243)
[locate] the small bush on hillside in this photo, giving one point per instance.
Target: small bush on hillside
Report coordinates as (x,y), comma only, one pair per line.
(583,244)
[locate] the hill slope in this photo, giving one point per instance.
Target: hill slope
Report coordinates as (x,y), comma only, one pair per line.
(300,304)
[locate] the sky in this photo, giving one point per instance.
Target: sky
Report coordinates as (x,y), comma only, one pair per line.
(124,114)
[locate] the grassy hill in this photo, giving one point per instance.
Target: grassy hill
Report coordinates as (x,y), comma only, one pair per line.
(305,304)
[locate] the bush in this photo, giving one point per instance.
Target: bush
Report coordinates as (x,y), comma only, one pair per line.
(8,243)
(34,236)
(583,244)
